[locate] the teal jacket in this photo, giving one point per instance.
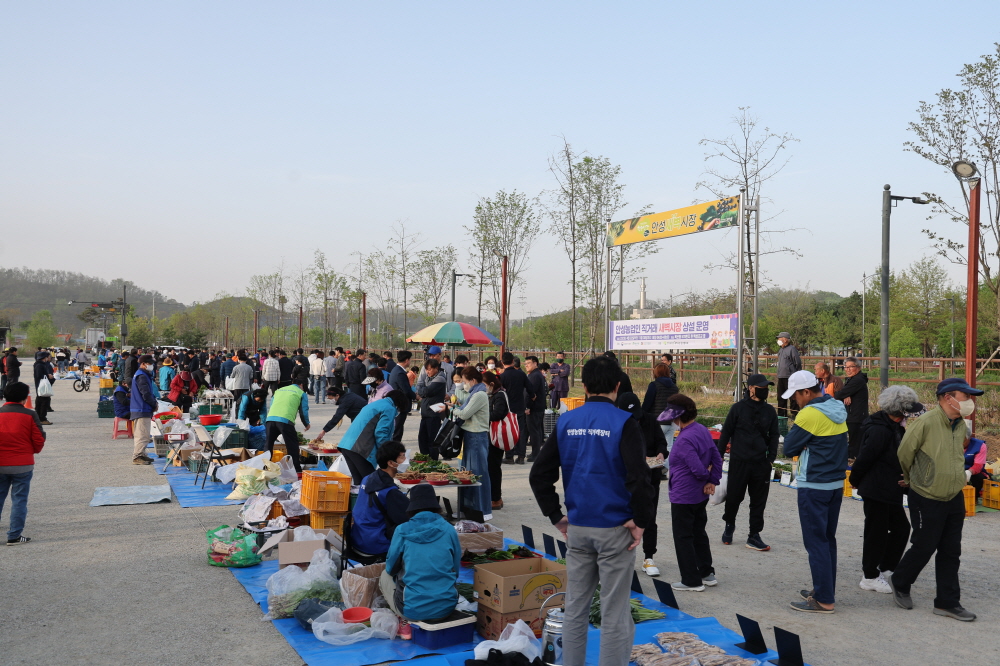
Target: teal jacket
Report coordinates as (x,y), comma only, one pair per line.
(371,429)
(426,557)
(819,439)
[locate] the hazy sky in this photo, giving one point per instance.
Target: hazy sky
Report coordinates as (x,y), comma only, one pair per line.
(186,145)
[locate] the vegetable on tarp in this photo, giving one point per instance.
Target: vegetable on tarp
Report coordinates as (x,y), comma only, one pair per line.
(639,612)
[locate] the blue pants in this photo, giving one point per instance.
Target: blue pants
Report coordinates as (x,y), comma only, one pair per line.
(819,512)
(475,459)
(319,388)
(18,485)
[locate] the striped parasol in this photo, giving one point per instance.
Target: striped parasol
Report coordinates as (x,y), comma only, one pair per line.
(454,333)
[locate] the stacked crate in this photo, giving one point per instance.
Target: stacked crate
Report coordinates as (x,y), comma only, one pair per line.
(327,495)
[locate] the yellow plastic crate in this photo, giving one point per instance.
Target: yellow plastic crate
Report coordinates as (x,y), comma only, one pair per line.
(326,491)
(333,520)
(991,494)
(107,383)
(970,501)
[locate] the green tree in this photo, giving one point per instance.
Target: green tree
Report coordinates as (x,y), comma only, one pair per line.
(139,333)
(904,343)
(193,338)
(41,331)
(918,301)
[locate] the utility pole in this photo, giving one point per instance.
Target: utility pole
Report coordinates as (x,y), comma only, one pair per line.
(364,321)
(454,280)
(300,328)
(256,313)
(124,313)
(226,341)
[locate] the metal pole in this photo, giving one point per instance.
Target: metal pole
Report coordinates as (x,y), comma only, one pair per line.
(256,313)
(124,314)
(741,283)
(756,282)
(972,299)
(454,279)
(621,281)
(864,290)
(364,321)
(226,344)
(607,301)
(883,369)
(503,305)
(300,328)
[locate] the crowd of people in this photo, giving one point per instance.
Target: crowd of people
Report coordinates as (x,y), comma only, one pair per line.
(612,454)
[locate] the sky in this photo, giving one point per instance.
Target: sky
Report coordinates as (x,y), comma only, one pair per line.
(186,146)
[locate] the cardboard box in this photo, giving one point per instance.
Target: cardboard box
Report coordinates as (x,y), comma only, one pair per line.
(491,623)
(480,541)
(294,552)
(360,585)
(180,460)
(518,585)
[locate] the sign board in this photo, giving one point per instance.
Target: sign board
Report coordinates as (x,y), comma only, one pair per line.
(719,214)
(699,332)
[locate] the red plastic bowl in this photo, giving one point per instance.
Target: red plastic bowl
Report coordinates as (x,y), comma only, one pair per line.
(210,419)
(357,614)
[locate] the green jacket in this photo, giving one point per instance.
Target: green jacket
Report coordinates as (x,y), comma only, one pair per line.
(932,456)
(287,403)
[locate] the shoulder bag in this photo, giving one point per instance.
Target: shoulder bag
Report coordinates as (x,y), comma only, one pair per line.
(505,433)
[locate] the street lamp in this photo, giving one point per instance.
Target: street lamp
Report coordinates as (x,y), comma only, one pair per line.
(968,174)
(503,300)
(454,279)
(887,199)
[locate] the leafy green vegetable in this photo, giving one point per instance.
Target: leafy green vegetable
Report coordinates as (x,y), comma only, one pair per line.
(284,605)
(639,612)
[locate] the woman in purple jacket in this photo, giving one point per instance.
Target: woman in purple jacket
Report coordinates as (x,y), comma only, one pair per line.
(695,469)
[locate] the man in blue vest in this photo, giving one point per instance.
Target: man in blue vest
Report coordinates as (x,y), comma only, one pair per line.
(381,505)
(609,501)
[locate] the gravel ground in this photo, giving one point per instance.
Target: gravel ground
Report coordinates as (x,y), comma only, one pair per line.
(129,584)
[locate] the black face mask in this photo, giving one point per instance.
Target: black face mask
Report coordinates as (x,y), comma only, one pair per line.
(761,392)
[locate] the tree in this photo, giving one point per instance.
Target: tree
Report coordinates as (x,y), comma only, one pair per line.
(562,213)
(330,287)
(41,331)
(193,338)
(431,275)
(382,284)
(919,302)
(505,224)
(139,333)
(269,290)
(403,243)
(964,124)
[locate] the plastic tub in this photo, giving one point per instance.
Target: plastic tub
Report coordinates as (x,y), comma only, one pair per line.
(458,629)
(210,419)
(357,614)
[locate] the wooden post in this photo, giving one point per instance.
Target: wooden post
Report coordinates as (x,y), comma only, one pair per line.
(711,375)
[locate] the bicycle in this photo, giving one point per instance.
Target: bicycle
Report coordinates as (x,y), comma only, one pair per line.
(82,384)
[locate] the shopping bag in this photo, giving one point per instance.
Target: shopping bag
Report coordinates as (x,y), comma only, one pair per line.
(720,492)
(505,433)
(447,432)
(232,547)
(44,389)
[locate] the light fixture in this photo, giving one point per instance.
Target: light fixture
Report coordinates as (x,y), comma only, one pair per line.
(963,169)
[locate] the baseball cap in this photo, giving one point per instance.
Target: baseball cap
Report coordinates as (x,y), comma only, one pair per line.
(758,380)
(785,334)
(433,349)
(803,379)
(956,384)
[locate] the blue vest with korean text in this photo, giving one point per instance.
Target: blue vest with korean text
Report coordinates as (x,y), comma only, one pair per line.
(593,471)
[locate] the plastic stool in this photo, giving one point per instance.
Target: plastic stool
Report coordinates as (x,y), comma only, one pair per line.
(117,431)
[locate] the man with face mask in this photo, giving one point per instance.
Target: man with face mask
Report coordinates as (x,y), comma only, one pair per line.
(141,409)
(751,434)
(933,463)
(854,395)
(789,362)
(560,380)
(348,403)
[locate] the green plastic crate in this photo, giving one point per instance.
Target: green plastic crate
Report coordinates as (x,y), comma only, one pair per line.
(197,466)
(204,410)
(782,425)
(237,438)
(107,391)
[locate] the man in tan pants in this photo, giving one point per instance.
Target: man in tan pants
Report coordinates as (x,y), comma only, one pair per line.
(141,410)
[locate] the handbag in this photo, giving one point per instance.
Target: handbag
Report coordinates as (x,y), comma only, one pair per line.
(230,383)
(447,432)
(44,389)
(505,433)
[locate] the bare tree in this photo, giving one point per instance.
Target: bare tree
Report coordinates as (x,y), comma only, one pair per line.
(329,286)
(562,213)
(382,283)
(403,243)
(431,274)
(964,124)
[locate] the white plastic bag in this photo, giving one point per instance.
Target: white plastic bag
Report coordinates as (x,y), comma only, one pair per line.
(44,389)
(288,473)
(221,434)
(331,628)
(319,578)
(243,424)
(162,406)
(227,473)
(720,492)
(516,637)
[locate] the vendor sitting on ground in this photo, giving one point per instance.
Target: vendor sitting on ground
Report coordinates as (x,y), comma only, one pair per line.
(374,426)
(381,505)
(423,563)
(975,461)
(253,407)
(349,404)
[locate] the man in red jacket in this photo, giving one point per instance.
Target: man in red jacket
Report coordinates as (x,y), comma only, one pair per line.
(21,437)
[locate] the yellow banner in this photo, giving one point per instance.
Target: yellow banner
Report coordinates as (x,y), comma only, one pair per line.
(700,217)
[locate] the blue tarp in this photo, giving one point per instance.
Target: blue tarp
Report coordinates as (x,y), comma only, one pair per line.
(181,481)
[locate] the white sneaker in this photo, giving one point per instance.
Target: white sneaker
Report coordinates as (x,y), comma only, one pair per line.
(650,568)
(882,585)
(681,587)
(875,585)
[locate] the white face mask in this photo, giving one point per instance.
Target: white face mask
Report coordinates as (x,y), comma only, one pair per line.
(780,343)
(965,407)
(491,366)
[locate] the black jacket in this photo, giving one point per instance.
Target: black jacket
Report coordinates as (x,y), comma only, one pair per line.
(434,392)
(300,375)
(515,382)
(396,503)
(349,405)
(855,388)
(498,406)
(626,383)
(752,428)
(130,366)
(12,367)
(536,387)
(42,369)
(355,373)
(285,368)
(400,382)
(876,472)
(655,400)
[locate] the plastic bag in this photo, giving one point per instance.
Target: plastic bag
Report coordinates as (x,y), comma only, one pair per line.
(331,628)
(310,609)
(221,434)
(720,492)
(258,437)
(288,473)
(257,508)
(162,406)
(291,585)
(232,547)
(227,473)
(516,637)
(44,389)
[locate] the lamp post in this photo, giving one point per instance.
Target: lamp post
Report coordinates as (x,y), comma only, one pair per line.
(503,301)
(968,174)
(952,299)
(887,199)
(454,279)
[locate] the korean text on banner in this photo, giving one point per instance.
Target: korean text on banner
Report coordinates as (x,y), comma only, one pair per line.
(700,332)
(692,219)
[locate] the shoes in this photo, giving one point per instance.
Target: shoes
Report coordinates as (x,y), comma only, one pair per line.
(805,594)
(145,457)
(727,534)
(650,568)
(902,600)
(754,543)
(520,461)
(498,504)
(487,516)
(141,461)
(810,605)
(531,458)
(957,612)
(681,587)
(23,539)
(508,461)
(710,580)
(875,585)
(46,422)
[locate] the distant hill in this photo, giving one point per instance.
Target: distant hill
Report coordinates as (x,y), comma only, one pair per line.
(24,291)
